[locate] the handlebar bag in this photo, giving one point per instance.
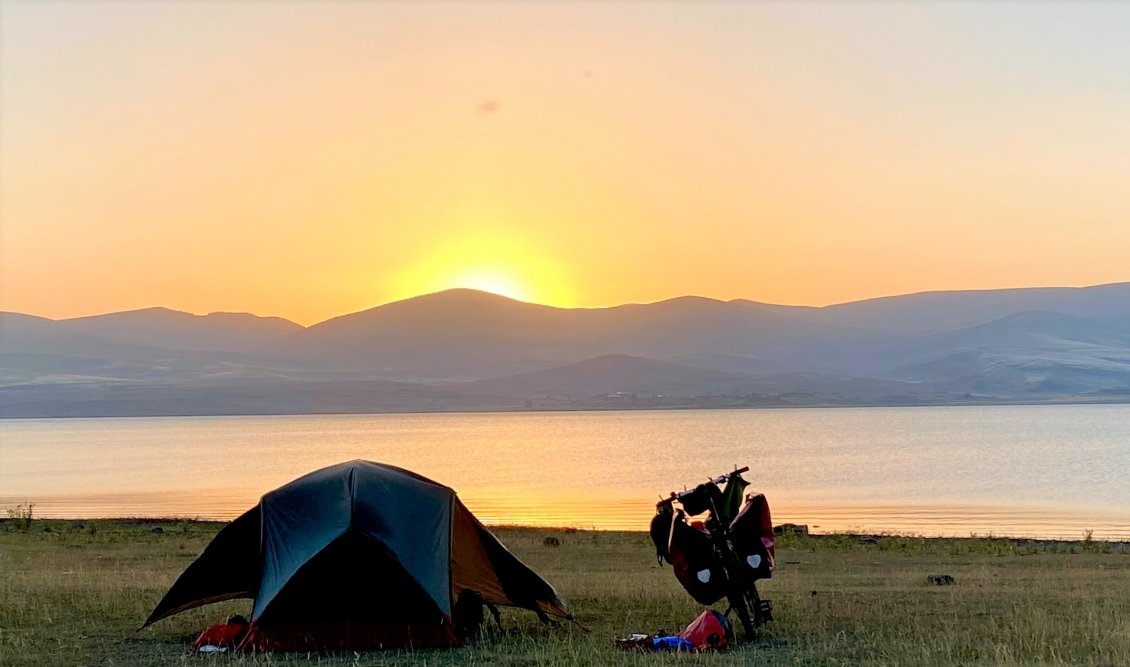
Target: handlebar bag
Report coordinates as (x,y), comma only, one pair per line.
(705,497)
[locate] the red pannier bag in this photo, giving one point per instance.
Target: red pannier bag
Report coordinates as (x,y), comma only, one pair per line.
(752,535)
(690,552)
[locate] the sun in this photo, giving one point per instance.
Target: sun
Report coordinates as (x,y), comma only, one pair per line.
(496,263)
(496,281)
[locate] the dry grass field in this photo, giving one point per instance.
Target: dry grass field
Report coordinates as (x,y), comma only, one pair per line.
(72,593)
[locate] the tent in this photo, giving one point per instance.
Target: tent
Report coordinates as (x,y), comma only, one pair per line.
(358,555)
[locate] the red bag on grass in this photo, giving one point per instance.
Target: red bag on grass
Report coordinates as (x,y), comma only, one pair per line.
(711,630)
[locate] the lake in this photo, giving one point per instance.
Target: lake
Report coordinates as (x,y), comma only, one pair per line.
(1040,471)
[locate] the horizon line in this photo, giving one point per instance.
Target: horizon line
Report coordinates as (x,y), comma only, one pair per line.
(545,305)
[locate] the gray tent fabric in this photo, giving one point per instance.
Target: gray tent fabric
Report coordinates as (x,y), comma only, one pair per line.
(338,556)
(228,569)
(407,514)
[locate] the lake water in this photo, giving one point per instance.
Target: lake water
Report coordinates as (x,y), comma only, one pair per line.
(1047,471)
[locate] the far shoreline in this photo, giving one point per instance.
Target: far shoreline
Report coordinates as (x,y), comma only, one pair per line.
(1067,401)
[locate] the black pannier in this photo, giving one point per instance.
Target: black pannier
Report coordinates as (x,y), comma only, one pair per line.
(661,533)
(752,535)
(691,554)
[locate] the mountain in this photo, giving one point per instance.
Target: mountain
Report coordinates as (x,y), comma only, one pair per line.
(1028,330)
(152,345)
(465,335)
(29,334)
(621,376)
(175,330)
(925,311)
(463,349)
(36,349)
(607,375)
(456,334)
(143,332)
(1031,352)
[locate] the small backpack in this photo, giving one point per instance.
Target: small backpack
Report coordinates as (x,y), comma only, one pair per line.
(711,630)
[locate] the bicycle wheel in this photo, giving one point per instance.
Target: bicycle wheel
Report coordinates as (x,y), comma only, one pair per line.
(739,602)
(761,611)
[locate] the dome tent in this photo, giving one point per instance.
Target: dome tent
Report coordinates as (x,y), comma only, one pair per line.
(358,555)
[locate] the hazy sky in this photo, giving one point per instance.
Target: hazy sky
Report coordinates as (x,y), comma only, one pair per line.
(310,159)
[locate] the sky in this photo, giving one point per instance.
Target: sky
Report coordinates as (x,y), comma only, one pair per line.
(311,159)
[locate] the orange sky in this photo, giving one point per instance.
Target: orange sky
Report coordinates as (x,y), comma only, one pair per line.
(306,160)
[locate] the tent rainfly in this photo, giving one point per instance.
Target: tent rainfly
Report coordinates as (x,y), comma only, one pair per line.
(358,555)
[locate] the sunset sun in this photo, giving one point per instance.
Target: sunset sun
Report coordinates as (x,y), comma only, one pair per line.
(494,263)
(496,281)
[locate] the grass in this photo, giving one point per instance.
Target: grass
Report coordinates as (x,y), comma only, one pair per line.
(72,593)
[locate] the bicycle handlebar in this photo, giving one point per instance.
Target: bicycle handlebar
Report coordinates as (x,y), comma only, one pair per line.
(723,478)
(717,480)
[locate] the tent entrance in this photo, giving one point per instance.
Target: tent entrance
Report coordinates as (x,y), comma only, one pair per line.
(353,578)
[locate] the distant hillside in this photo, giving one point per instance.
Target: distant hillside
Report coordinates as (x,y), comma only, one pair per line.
(464,335)
(609,375)
(175,330)
(925,311)
(463,349)
(1027,353)
(619,376)
(232,397)
(1027,330)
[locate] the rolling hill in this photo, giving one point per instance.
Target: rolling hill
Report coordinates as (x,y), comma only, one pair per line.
(175,330)
(462,349)
(465,335)
(609,375)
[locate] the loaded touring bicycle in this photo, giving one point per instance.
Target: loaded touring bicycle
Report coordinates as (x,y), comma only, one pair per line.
(723,554)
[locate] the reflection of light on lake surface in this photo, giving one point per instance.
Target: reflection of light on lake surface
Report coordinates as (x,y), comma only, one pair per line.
(1050,471)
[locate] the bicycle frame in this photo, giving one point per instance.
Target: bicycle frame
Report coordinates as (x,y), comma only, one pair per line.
(738,583)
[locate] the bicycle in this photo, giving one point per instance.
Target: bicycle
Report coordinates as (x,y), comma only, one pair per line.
(724,555)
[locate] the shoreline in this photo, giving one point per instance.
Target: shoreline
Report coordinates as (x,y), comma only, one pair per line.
(842,539)
(1051,401)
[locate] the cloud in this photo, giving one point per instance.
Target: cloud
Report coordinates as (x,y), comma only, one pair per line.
(488,107)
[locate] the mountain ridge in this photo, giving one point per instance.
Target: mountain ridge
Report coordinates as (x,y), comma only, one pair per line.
(480,350)
(1121,285)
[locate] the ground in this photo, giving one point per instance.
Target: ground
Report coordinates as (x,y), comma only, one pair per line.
(73,593)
